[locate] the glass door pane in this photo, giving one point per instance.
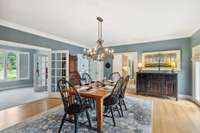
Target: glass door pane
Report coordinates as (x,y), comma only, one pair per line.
(41,72)
(59,70)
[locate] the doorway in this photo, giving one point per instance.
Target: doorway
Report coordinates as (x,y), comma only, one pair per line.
(40,72)
(197,80)
(196,72)
(126,64)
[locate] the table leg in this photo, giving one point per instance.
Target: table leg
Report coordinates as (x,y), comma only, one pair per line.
(99,114)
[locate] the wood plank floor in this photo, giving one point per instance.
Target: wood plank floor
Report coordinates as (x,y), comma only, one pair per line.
(169,116)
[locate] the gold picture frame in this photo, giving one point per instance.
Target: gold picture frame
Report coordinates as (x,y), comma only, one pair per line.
(162,60)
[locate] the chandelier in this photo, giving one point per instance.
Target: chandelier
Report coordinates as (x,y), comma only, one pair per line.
(99,53)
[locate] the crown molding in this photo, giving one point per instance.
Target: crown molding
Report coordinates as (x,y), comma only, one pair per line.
(149,40)
(194,31)
(23,45)
(38,33)
(56,38)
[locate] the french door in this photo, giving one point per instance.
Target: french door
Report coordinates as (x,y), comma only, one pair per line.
(59,70)
(40,72)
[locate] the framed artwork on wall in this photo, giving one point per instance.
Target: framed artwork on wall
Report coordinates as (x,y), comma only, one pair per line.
(162,60)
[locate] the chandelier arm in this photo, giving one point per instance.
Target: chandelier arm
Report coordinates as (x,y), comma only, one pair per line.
(99,53)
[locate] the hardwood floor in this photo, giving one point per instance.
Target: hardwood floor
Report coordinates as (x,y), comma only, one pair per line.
(169,116)
(17,114)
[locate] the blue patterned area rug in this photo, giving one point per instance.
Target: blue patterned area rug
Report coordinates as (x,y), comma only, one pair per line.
(138,119)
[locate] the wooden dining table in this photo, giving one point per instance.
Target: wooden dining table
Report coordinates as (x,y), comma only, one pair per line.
(98,94)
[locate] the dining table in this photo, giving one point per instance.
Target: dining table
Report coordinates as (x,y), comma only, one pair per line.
(97,93)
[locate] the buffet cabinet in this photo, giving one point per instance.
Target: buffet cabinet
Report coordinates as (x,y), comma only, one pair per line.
(157,84)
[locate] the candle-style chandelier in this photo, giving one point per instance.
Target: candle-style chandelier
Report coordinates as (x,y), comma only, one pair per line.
(99,53)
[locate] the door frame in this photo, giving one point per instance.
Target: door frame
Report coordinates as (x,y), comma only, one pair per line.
(129,53)
(194,60)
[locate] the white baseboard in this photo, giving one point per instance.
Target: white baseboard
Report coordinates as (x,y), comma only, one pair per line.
(190,98)
(14,87)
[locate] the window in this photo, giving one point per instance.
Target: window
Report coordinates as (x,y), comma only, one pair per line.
(11,66)
(2,61)
(14,65)
(24,65)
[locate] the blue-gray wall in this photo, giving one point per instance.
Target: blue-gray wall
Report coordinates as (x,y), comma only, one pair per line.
(13,35)
(184,76)
(195,39)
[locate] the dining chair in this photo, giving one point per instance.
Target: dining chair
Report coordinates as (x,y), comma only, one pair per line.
(86,78)
(111,102)
(72,102)
(122,94)
(115,76)
(75,78)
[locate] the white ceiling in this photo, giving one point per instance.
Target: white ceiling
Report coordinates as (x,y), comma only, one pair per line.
(125,21)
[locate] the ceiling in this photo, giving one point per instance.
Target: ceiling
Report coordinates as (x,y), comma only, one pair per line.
(125,21)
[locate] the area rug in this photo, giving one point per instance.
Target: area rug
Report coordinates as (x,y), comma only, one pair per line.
(138,119)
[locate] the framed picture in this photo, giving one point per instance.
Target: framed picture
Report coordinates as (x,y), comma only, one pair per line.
(162,60)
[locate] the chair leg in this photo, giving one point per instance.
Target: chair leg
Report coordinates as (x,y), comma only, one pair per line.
(76,122)
(118,111)
(113,118)
(94,104)
(62,122)
(121,108)
(124,104)
(88,117)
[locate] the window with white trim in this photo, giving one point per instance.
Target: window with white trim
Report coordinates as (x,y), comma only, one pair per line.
(24,65)
(14,65)
(2,64)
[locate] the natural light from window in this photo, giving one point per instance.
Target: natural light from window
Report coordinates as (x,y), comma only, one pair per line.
(14,65)
(11,66)
(1,65)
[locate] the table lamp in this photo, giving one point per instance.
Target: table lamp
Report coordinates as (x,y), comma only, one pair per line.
(173,66)
(140,67)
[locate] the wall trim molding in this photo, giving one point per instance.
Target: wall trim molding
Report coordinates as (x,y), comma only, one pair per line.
(23,45)
(60,39)
(148,41)
(16,87)
(195,30)
(38,33)
(190,98)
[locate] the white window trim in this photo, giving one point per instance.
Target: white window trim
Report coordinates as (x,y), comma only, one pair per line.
(28,76)
(17,65)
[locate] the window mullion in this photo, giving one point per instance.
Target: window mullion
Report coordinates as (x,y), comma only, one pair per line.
(17,65)
(5,65)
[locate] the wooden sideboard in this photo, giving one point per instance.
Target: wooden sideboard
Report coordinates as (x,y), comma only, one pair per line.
(157,84)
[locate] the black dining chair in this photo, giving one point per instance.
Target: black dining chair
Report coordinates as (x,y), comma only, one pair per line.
(75,78)
(111,102)
(115,76)
(122,94)
(72,102)
(86,78)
